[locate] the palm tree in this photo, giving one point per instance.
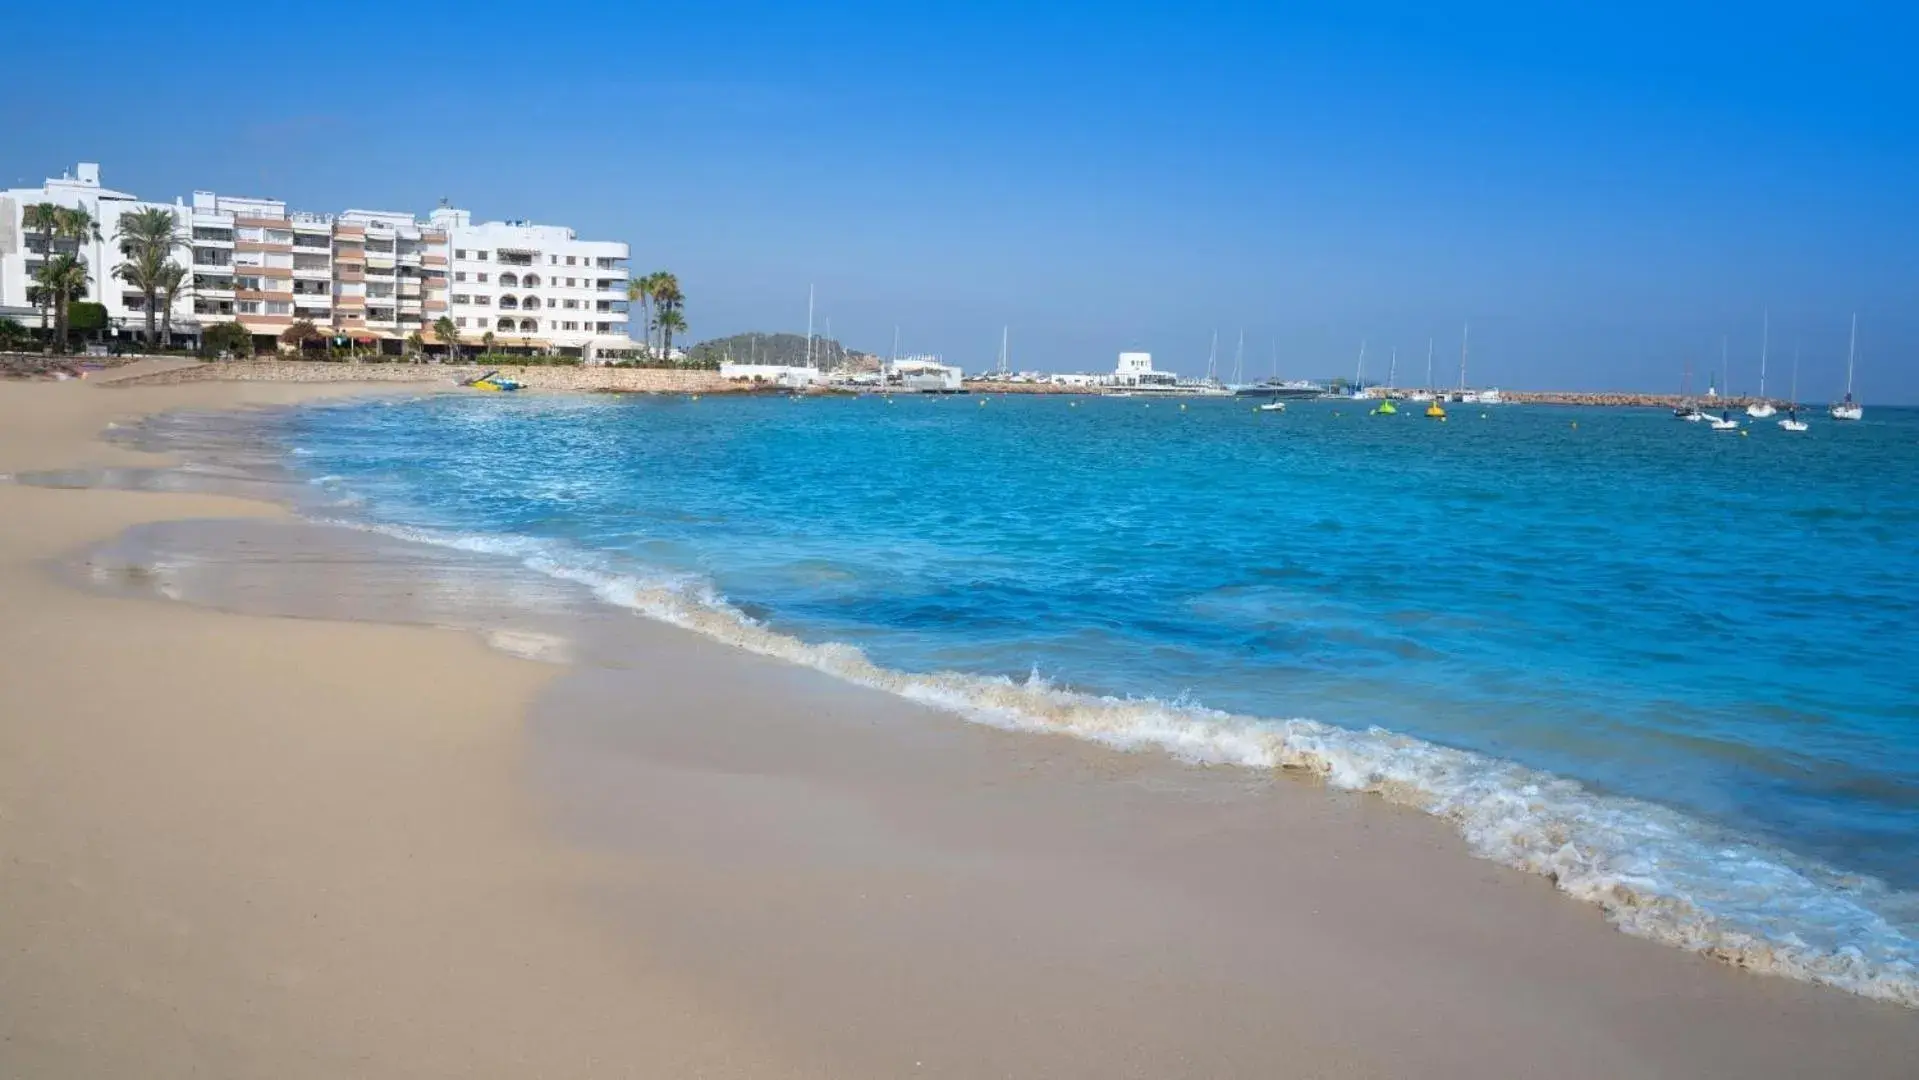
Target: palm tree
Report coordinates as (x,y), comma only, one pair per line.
(486,343)
(449,335)
(667,303)
(147,239)
(64,277)
(416,345)
(641,289)
(42,218)
(11,333)
(670,320)
(172,277)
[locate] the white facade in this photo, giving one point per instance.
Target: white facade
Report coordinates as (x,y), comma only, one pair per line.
(1135,369)
(372,276)
(924,374)
(771,374)
(536,286)
(21,256)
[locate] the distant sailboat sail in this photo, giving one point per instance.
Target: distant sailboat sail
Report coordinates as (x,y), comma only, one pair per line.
(1849,409)
(1763,408)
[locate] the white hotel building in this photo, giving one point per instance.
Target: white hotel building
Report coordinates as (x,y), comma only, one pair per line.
(369,275)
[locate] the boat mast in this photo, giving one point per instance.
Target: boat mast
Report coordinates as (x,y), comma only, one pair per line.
(1765,343)
(1392,369)
(1359,373)
(896,344)
(809,326)
(1465,332)
(1851,345)
(1212,360)
(1429,363)
(1239,358)
(1725,366)
(1003,331)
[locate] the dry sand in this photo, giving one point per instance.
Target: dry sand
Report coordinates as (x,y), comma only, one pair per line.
(240,845)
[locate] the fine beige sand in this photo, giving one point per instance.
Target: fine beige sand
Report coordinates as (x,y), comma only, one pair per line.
(244,845)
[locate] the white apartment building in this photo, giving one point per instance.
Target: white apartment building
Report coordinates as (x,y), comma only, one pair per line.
(537,287)
(372,276)
(23,253)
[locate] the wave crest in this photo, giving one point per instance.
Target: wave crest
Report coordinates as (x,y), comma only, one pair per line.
(1656,873)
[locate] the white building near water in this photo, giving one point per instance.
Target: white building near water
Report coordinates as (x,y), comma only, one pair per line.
(788,375)
(537,286)
(371,276)
(23,253)
(1135,372)
(923,375)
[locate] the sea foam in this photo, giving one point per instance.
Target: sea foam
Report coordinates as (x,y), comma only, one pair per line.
(1655,872)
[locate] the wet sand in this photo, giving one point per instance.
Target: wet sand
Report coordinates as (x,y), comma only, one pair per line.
(240,843)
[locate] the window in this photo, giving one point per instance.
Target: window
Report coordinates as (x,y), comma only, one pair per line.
(552,260)
(461,321)
(482,301)
(480,277)
(571,304)
(459,275)
(479,256)
(569,260)
(460,298)
(460,254)
(572,326)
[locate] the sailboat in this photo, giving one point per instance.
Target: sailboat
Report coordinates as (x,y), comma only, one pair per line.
(1849,409)
(1359,374)
(1762,408)
(1791,421)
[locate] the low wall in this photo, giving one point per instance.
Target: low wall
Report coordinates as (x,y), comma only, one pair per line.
(584,379)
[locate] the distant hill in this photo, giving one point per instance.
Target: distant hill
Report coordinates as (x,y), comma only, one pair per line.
(788,349)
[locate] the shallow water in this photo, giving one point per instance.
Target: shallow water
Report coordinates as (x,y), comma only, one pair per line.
(1676,669)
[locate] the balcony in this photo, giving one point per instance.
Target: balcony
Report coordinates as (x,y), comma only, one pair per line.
(212,257)
(221,238)
(506,257)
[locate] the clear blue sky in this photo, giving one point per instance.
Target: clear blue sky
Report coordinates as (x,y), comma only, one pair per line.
(1603,193)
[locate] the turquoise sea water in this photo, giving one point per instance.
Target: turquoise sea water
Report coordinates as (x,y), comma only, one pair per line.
(1674,668)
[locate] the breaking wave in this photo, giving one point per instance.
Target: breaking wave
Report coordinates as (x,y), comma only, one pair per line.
(1657,873)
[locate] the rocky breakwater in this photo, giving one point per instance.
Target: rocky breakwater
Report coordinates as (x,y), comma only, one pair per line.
(1629,400)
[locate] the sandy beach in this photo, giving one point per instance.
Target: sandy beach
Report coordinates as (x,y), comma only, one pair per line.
(259,841)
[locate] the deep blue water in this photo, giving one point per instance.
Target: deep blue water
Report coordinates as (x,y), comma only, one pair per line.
(1723,624)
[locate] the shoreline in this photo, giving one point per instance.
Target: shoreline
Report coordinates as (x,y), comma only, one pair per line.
(1242,918)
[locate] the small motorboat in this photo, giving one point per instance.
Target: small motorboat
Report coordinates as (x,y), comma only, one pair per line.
(1274,405)
(1724,422)
(494,382)
(1791,421)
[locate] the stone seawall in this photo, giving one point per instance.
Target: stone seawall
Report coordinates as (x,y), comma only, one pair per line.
(582,379)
